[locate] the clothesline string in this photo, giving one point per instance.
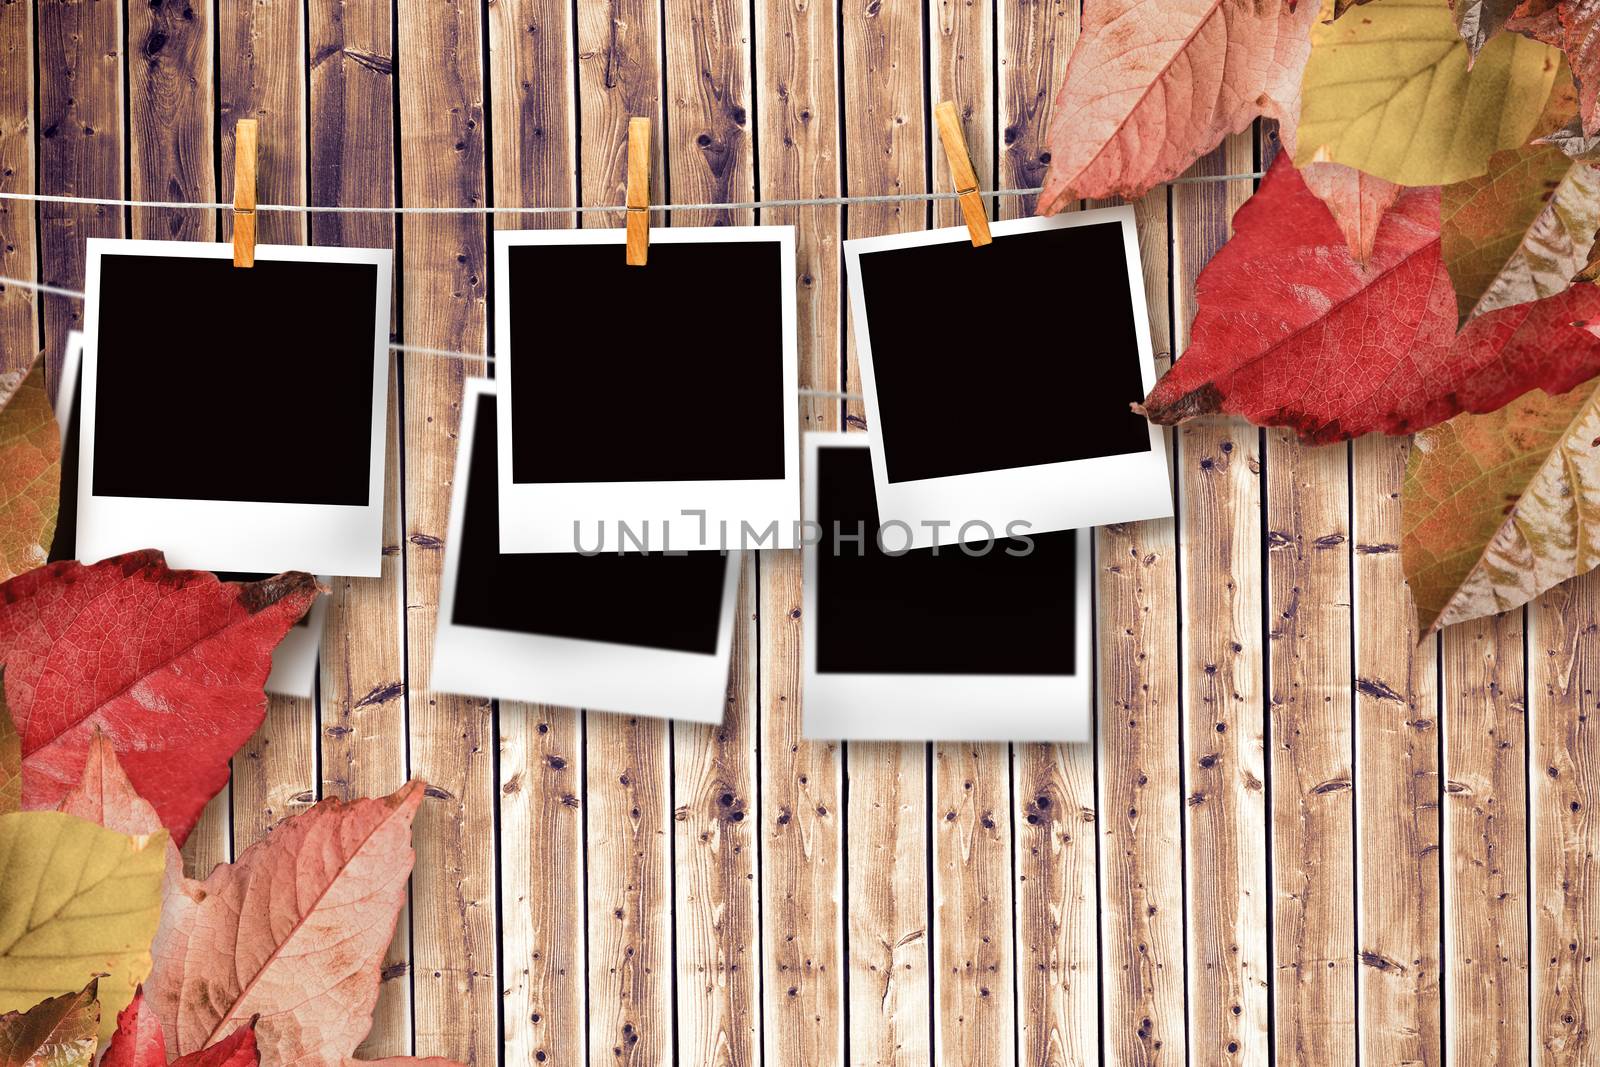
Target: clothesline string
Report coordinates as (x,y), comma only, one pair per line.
(820,201)
(414,350)
(581,209)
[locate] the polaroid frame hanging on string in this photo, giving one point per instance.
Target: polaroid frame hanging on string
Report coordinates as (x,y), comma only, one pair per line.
(714,449)
(888,683)
(968,475)
(620,671)
(342,536)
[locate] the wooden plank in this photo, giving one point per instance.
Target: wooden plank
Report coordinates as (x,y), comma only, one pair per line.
(543,1016)
(628,759)
(19,308)
(1565,794)
(350,118)
(803,974)
(1313,802)
(1224,773)
(715,863)
(1057,942)
(1141,852)
(1056,938)
(710,158)
(1485,841)
(974,984)
(1397,781)
(80,151)
(452,743)
(170,119)
(1036,40)
(261,75)
(887,827)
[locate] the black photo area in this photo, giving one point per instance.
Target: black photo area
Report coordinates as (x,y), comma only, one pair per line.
(222,383)
(1044,338)
(655,601)
(918,613)
(667,372)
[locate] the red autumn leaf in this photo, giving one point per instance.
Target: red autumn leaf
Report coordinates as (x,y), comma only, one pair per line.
(1153,85)
(293,932)
(1291,331)
(168,664)
(138,1042)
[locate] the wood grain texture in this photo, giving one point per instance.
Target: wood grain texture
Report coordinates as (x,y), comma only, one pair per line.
(802,945)
(261,75)
(974,971)
(715,902)
(1484,719)
(1054,802)
(629,788)
(19,308)
(170,118)
(452,739)
(1035,41)
(1397,782)
(362,712)
(541,757)
(1224,772)
(1313,806)
(80,150)
(1564,778)
(887,828)
(1141,847)
(974,965)
(710,156)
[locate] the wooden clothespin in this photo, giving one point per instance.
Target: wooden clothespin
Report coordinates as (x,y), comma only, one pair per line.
(962,174)
(244,193)
(638,192)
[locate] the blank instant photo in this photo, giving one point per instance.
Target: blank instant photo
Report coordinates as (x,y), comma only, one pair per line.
(967,642)
(294,660)
(646,634)
(647,407)
(234,417)
(998,379)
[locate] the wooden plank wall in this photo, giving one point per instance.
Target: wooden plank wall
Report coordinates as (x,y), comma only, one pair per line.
(1302,836)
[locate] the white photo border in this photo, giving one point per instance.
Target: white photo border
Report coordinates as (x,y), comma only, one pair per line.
(564,671)
(67,388)
(1103,489)
(941,707)
(232,535)
(656,506)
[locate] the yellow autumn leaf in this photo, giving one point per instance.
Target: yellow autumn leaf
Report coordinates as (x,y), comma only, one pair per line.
(76,900)
(1387,90)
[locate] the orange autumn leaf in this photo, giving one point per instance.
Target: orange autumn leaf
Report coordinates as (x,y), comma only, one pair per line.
(1153,85)
(292,933)
(1356,199)
(30,470)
